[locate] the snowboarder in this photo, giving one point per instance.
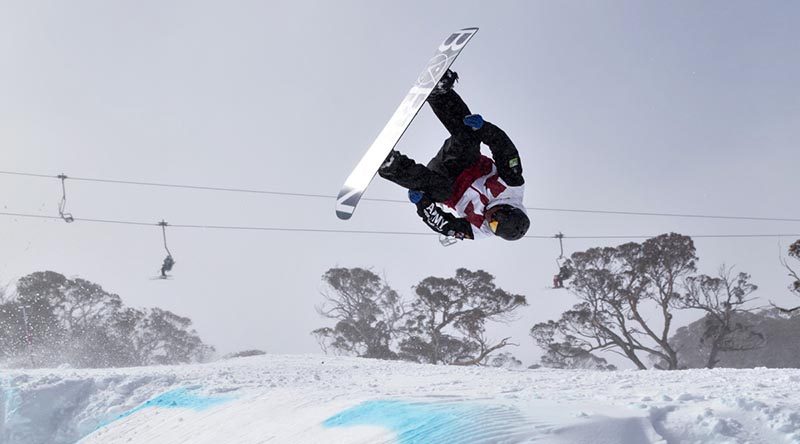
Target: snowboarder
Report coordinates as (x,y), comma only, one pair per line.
(485,194)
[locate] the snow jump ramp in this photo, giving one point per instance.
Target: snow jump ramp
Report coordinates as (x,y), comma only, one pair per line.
(319,399)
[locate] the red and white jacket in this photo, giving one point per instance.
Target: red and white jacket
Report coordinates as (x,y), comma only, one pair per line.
(479,188)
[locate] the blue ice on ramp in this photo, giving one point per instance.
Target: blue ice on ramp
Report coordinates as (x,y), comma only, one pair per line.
(181,398)
(437,422)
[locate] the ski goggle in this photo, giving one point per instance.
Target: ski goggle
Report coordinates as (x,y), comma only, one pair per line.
(493,222)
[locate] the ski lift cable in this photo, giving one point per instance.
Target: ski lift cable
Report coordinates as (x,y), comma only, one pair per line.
(170,185)
(393,233)
(654,214)
(330,196)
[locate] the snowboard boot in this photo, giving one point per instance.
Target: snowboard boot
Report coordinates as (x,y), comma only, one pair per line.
(445,84)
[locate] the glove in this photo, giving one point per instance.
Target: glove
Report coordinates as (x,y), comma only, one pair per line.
(511,171)
(439,220)
(415,196)
(474,121)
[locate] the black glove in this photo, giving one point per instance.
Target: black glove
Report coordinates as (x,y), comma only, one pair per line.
(439,220)
(510,170)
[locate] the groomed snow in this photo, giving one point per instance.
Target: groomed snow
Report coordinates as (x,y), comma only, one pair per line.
(318,399)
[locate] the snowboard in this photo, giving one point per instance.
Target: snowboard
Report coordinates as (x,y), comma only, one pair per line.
(367,167)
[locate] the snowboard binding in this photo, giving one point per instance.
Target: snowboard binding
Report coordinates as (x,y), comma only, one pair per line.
(446,83)
(447,241)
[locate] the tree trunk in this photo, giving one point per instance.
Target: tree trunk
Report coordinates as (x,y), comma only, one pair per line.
(712,357)
(635,359)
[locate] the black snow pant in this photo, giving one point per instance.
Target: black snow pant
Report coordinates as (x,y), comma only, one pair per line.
(459,151)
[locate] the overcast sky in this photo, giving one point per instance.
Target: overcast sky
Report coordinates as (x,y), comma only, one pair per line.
(684,106)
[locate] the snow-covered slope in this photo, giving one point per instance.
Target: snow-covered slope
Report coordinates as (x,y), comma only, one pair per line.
(317,399)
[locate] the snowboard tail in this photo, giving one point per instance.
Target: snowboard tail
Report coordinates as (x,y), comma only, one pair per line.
(367,167)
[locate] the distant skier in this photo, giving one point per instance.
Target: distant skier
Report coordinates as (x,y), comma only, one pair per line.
(485,194)
(564,273)
(169,262)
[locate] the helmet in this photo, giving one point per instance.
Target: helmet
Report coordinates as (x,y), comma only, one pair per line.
(508,222)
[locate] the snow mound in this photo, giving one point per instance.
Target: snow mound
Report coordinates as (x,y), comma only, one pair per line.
(313,399)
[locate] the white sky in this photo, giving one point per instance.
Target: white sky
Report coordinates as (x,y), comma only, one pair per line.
(639,106)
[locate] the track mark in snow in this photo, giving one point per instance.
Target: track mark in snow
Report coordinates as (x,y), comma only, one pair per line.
(439,422)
